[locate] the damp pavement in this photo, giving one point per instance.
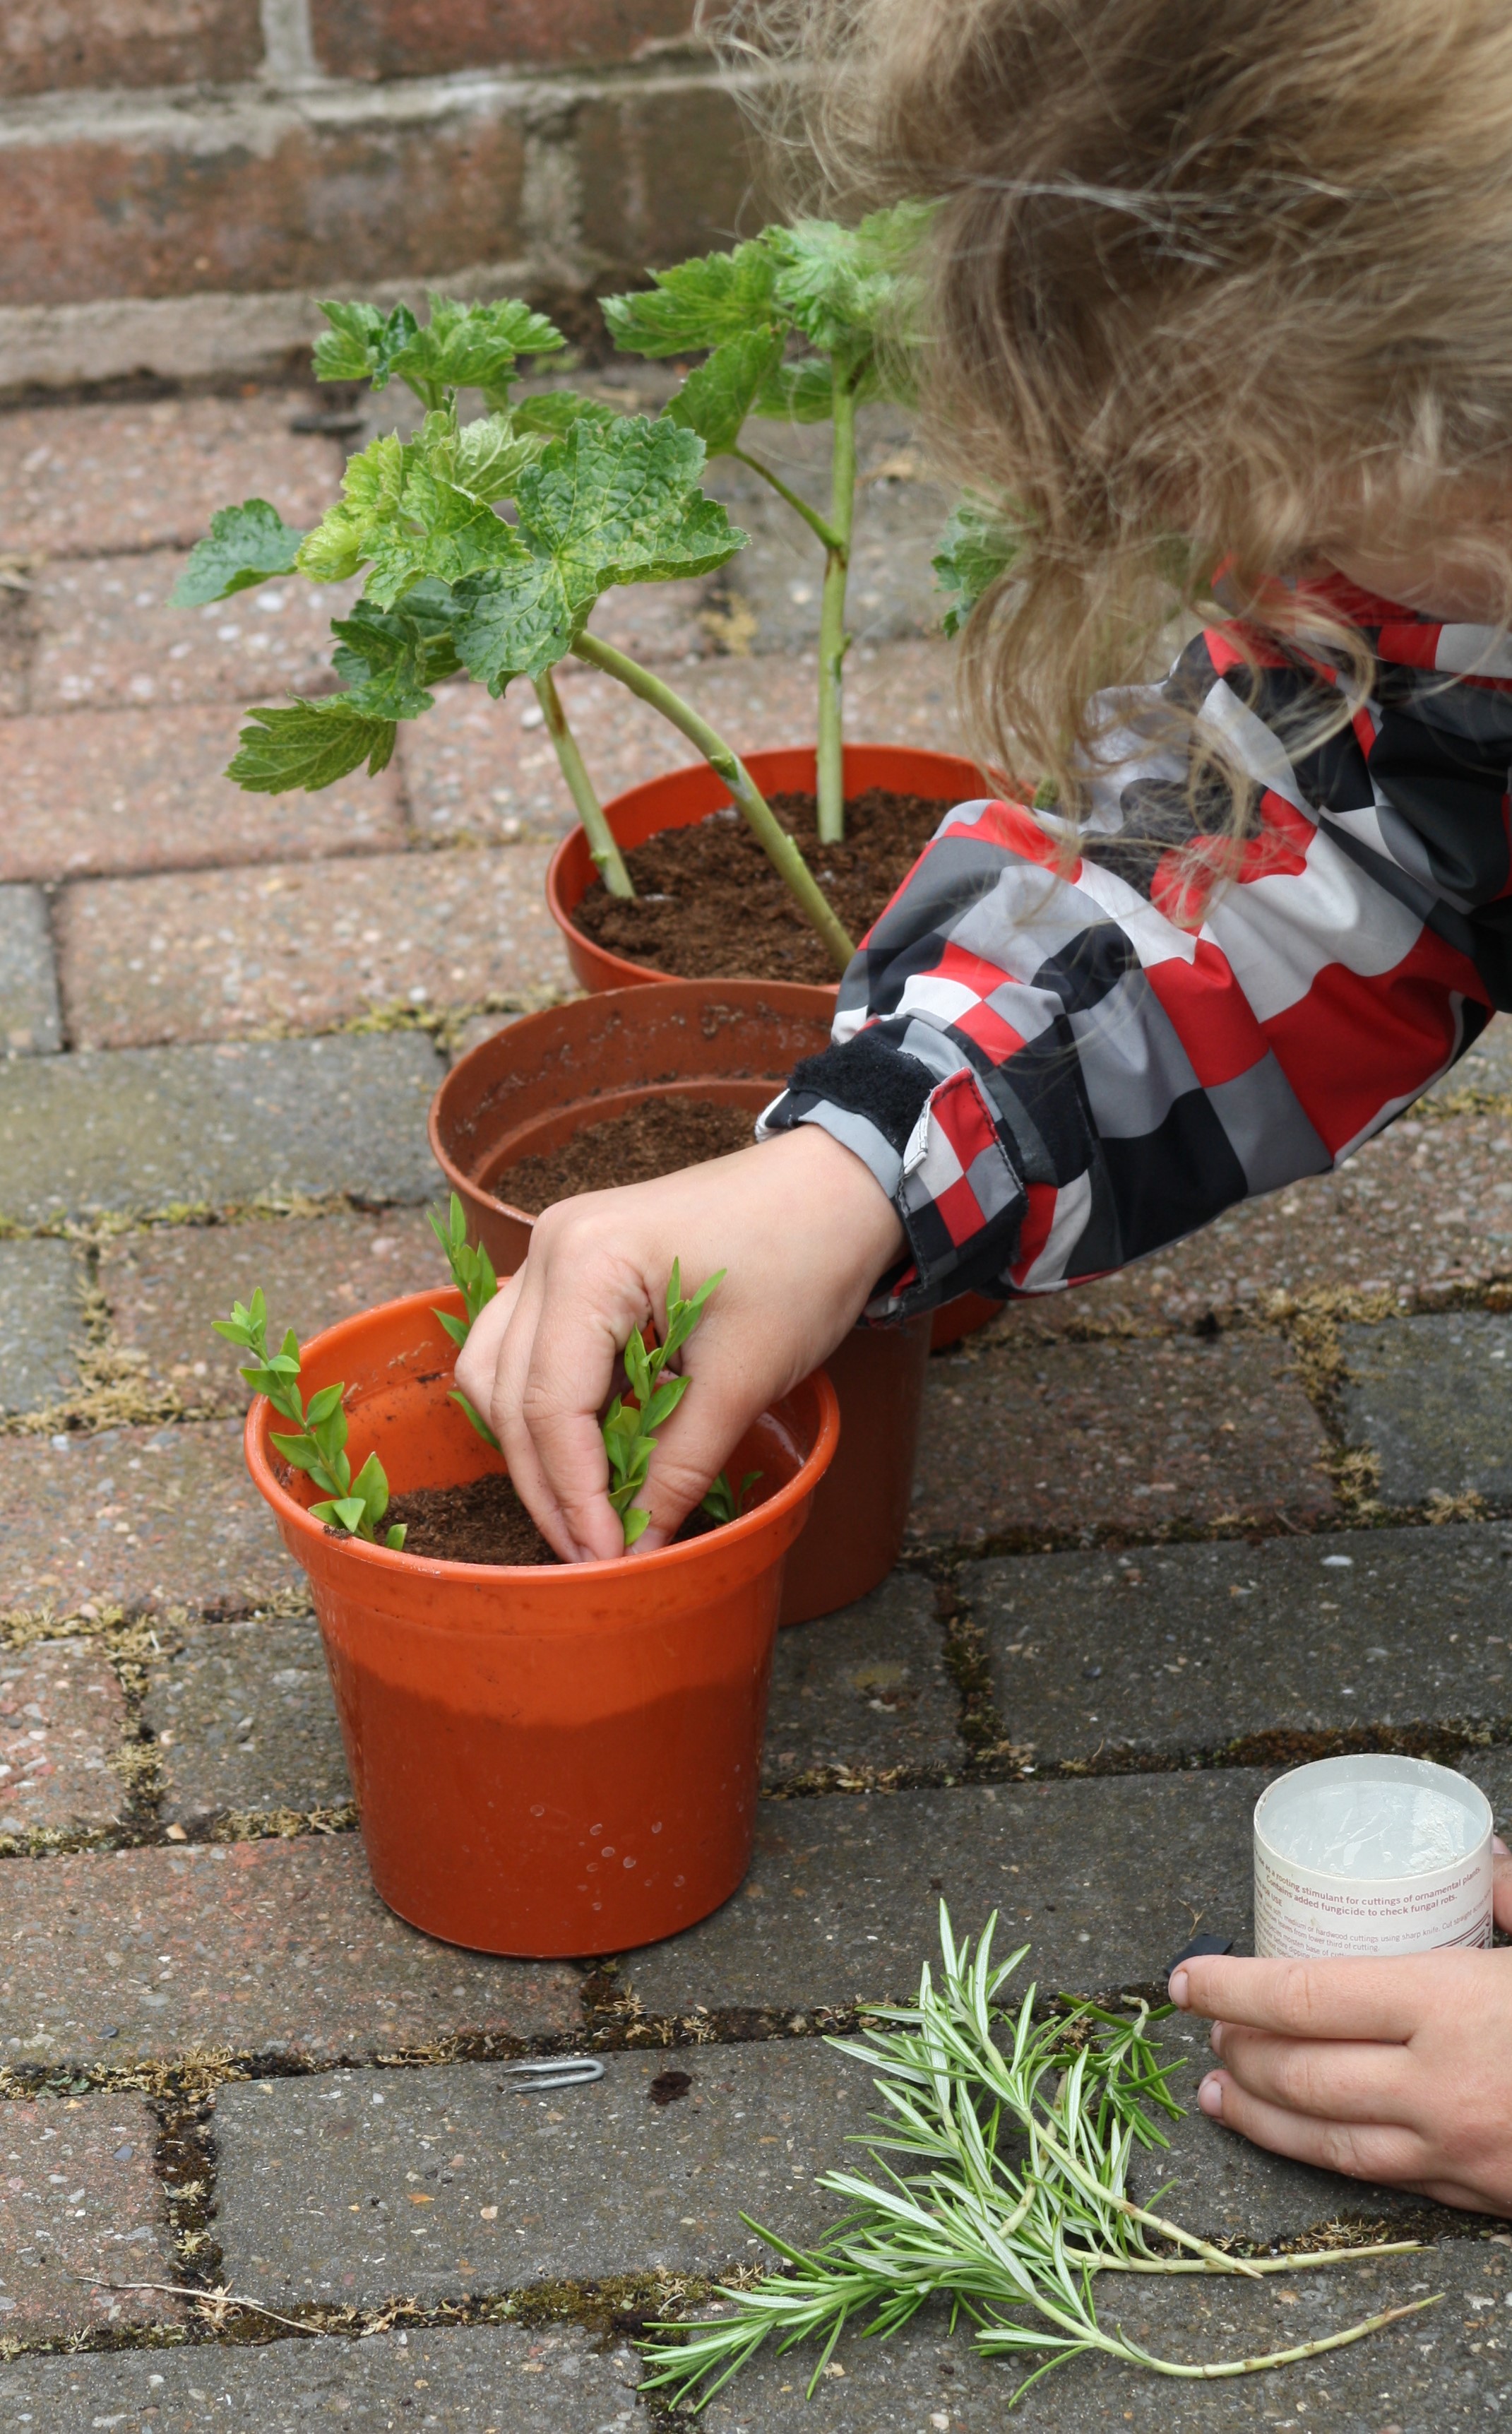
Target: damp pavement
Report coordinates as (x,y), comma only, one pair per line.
(1245,1504)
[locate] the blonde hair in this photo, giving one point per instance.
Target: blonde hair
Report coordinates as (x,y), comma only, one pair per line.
(1232,275)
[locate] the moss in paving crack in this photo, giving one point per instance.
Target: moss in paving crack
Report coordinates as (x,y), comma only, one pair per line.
(184,2162)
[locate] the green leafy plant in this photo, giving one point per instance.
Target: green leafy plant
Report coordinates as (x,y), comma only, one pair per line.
(801,324)
(318,1444)
(1012,2200)
(488,545)
(977,547)
(474,1276)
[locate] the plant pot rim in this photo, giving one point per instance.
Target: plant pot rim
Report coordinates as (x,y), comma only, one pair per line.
(291,1513)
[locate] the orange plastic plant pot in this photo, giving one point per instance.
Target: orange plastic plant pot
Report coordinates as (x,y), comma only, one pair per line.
(549,1760)
(683,796)
(526,1091)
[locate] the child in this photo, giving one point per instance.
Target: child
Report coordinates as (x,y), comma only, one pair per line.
(1220,300)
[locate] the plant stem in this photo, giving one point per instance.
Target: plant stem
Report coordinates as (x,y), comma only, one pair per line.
(833,640)
(601,845)
(1224,2368)
(824,533)
(779,847)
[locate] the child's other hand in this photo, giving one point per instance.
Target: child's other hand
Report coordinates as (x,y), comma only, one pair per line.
(803,1232)
(1398,2071)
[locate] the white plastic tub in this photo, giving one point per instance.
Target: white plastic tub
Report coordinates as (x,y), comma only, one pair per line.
(1370,1857)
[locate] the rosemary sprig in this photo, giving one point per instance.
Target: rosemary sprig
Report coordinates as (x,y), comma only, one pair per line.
(1012,2198)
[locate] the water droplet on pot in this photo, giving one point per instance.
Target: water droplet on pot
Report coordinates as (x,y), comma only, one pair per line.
(538,1808)
(626,1864)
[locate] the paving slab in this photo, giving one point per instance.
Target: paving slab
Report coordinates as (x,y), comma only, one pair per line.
(485,770)
(166,1284)
(80,480)
(437,2181)
(474,1031)
(119,790)
(62,1717)
(18,635)
(1431,1397)
(272,1946)
(1103,1878)
(1487,1066)
(1064,1436)
(1177,1650)
(217,954)
(1446,2372)
(151,1127)
(78,2197)
(30,1023)
(142,1518)
(244,1716)
(40,1323)
(465,2379)
(108,637)
(864,1688)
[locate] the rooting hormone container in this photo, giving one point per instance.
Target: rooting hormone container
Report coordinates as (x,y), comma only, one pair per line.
(1371,1857)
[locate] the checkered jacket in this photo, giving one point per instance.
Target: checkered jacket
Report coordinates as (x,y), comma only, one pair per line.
(1051,1079)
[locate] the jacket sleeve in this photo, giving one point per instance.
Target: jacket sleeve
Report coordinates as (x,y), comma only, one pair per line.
(1051,1077)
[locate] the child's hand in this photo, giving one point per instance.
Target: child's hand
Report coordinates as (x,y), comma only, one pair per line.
(803,1232)
(1398,2071)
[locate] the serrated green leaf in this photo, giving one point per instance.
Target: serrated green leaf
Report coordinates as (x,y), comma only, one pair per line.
(554,412)
(472,346)
(697,303)
(308,745)
(348,349)
(245,545)
(421,507)
(617,503)
(388,658)
(979,544)
(844,288)
(802,391)
(715,400)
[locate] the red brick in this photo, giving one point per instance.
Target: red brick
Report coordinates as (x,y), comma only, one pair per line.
(394,38)
(61,1718)
(1079,1437)
(214,955)
(109,639)
(78,2196)
(665,174)
(473,768)
(165,1285)
(147,1516)
(82,480)
(50,45)
(126,789)
(319,207)
(255,1946)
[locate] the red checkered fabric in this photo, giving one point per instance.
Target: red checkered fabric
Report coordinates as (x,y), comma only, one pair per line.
(1052,1077)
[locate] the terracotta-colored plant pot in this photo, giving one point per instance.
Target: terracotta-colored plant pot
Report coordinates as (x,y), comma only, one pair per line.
(675,802)
(551,1760)
(532,1086)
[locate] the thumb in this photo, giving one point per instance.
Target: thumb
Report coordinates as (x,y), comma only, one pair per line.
(1501,1883)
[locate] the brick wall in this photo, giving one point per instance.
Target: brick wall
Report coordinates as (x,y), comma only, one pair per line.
(179,177)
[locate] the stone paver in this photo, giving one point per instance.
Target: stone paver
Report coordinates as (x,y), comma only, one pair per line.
(62,1718)
(89,479)
(166,1284)
(465,2379)
(151,1127)
(444,2180)
(1024,1437)
(843,1897)
(78,2196)
(30,1025)
(213,954)
(1434,2373)
(1487,1066)
(1433,1397)
(41,1327)
(108,638)
(145,1516)
(1183,1649)
(120,790)
(274,1947)
(244,1716)
(477,1028)
(475,768)
(864,1688)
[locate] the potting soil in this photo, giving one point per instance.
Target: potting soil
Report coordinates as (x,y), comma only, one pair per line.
(481,1523)
(709,905)
(656,1137)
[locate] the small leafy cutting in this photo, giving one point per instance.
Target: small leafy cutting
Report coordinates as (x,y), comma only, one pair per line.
(977,547)
(629,1428)
(1012,2196)
(803,324)
(317,1446)
(462,346)
(474,1276)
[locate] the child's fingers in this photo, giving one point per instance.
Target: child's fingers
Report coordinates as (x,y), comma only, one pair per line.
(1363,2150)
(1501,1883)
(1331,2077)
(1369,2000)
(478,1360)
